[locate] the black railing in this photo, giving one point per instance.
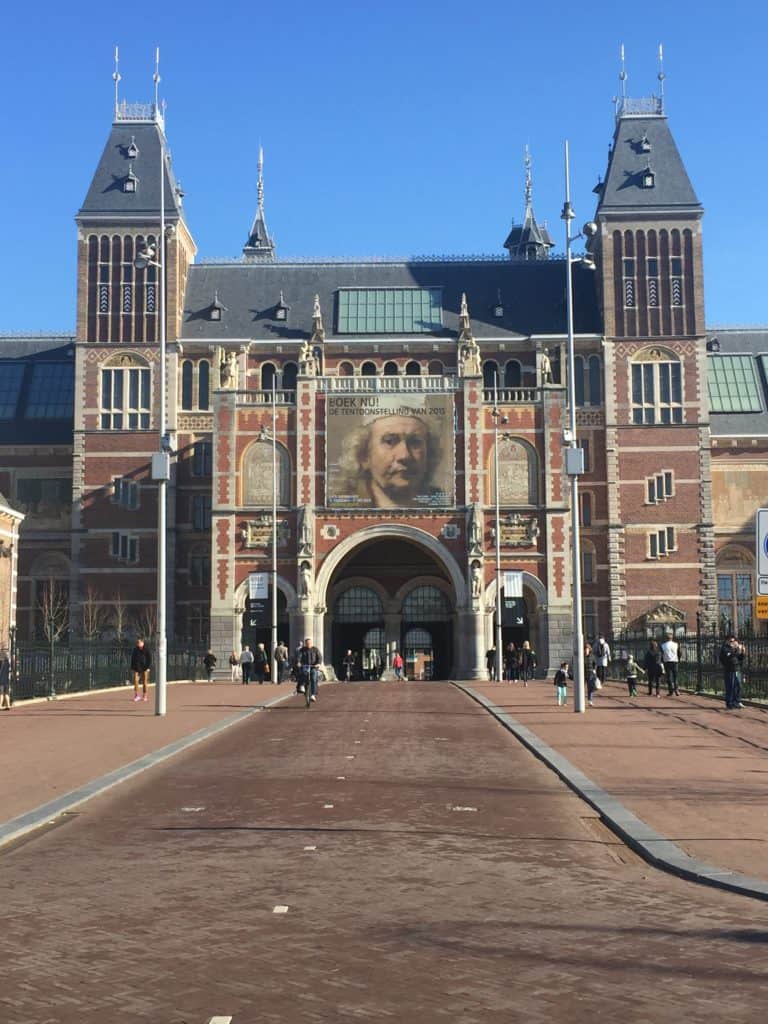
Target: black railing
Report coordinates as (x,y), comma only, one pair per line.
(80,666)
(699,669)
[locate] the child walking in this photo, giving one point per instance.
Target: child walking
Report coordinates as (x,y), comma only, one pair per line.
(633,671)
(561,684)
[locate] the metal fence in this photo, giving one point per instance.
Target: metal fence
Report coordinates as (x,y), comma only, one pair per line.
(700,670)
(40,670)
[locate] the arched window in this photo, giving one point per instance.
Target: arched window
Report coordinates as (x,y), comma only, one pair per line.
(425,604)
(657,387)
(390,369)
(204,384)
(368,369)
(346,369)
(290,371)
(413,369)
(595,381)
(267,376)
(436,368)
(186,384)
(518,473)
(358,604)
(513,374)
(125,398)
(735,591)
(490,373)
(588,562)
(257,475)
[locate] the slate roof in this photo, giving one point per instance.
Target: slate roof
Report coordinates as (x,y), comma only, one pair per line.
(751,342)
(532,294)
(106,198)
(622,190)
(56,352)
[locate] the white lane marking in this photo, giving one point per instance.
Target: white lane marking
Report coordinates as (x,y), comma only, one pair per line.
(192,810)
(350,757)
(280,909)
(452,807)
(220,1020)
(358,741)
(340,778)
(327,806)
(310,847)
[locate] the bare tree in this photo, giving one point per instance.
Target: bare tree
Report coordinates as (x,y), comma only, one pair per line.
(54,607)
(119,617)
(95,613)
(145,621)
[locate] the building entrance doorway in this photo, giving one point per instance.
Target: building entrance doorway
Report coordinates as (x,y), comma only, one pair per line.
(257,622)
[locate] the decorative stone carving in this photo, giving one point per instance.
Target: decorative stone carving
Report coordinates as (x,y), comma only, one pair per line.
(469,350)
(519,531)
(306,531)
(305,584)
(257,533)
(546,367)
(475,530)
(476,583)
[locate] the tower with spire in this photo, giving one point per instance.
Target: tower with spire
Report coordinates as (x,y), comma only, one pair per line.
(529,240)
(259,245)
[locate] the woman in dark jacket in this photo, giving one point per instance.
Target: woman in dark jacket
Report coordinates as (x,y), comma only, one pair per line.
(209,660)
(260,663)
(654,667)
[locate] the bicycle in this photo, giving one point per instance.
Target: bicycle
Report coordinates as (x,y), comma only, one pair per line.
(305,676)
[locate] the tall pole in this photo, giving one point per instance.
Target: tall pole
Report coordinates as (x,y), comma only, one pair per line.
(273,638)
(574,460)
(162,483)
(499,673)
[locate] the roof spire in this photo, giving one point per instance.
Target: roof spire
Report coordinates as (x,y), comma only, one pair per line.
(661,76)
(116,78)
(259,244)
(623,76)
(528,241)
(528,179)
(156,80)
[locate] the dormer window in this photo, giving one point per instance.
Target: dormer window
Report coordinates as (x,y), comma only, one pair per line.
(281,309)
(648,179)
(216,308)
(130,181)
(133,150)
(645,144)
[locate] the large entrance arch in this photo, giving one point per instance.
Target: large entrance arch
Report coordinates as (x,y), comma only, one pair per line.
(392,588)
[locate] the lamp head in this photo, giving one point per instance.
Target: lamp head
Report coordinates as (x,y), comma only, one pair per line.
(590,229)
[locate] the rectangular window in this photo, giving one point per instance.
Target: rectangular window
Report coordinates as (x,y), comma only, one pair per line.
(39,496)
(202,459)
(657,393)
(660,487)
(587,456)
(588,567)
(733,385)
(125,399)
(125,548)
(390,310)
(590,617)
(201,512)
(662,542)
(125,492)
(200,571)
(586,508)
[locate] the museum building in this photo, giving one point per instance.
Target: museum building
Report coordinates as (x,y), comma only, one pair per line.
(354,431)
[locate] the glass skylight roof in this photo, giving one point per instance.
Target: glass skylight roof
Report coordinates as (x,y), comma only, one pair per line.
(733,384)
(390,310)
(11,378)
(51,392)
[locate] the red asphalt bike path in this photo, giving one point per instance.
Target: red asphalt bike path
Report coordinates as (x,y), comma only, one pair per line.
(694,772)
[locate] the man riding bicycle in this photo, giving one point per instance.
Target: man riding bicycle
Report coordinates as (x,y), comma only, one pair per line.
(308,660)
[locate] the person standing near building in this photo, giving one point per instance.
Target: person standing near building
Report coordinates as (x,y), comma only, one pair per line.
(141,662)
(602,655)
(654,667)
(528,662)
(670,654)
(209,660)
(234,664)
(490,662)
(397,665)
(732,658)
(348,665)
(260,664)
(561,684)
(5,681)
(633,670)
(511,663)
(281,660)
(246,664)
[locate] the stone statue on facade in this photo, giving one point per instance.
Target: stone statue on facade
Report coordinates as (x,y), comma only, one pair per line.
(228,370)
(306,531)
(307,360)
(305,585)
(546,367)
(475,530)
(469,350)
(476,578)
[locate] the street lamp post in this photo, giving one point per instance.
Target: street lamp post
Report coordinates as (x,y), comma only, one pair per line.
(273,634)
(154,256)
(496,417)
(574,455)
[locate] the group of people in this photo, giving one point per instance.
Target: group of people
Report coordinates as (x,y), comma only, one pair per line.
(369,667)
(518,663)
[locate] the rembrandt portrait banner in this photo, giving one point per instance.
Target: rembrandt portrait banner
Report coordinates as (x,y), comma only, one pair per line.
(389,451)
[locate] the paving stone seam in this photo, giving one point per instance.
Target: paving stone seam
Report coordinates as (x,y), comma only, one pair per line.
(654,848)
(46,813)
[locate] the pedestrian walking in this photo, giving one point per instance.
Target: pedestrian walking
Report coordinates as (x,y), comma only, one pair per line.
(732,658)
(528,662)
(141,662)
(246,664)
(561,684)
(397,665)
(260,664)
(234,664)
(593,685)
(5,681)
(670,654)
(654,667)
(209,660)
(348,665)
(511,663)
(281,660)
(602,655)
(633,671)
(490,662)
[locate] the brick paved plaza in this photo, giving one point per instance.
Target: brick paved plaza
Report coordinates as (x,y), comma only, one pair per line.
(432,869)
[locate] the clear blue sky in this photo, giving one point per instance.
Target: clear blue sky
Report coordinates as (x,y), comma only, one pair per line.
(389,128)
